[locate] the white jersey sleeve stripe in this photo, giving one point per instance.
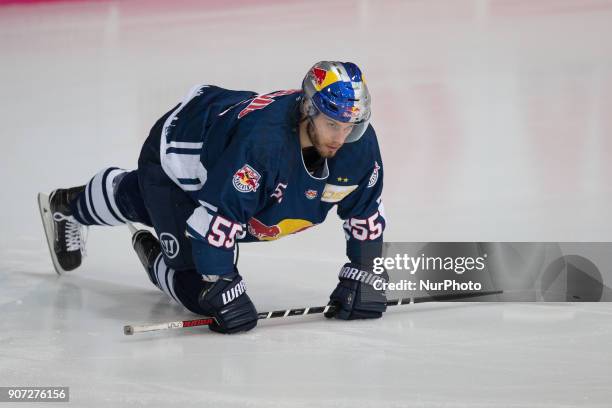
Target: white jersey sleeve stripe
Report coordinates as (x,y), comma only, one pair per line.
(181,160)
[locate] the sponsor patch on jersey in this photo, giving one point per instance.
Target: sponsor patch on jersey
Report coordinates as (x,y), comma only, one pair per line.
(311,194)
(246,179)
(334,193)
(169,244)
(374,176)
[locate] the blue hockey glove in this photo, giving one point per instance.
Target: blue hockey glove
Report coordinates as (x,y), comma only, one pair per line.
(226,300)
(356,297)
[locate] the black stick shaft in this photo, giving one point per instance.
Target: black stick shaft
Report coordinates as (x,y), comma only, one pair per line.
(205,321)
(396,302)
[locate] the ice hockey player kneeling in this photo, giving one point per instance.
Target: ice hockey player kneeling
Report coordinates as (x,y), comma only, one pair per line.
(227,166)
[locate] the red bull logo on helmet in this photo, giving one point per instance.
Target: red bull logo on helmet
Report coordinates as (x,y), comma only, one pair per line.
(351,112)
(287,226)
(323,78)
(319,75)
(246,179)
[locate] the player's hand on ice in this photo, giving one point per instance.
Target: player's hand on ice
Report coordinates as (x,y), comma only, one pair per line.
(226,300)
(356,296)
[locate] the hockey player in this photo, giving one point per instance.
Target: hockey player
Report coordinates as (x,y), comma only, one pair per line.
(228,166)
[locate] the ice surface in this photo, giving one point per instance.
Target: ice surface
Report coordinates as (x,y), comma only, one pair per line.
(494,123)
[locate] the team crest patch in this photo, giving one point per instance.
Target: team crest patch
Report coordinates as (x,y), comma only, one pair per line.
(311,194)
(374,176)
(246,179)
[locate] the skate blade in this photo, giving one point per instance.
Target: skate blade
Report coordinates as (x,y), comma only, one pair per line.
(47,221)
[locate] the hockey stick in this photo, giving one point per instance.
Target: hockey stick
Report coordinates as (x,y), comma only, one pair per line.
(132,329)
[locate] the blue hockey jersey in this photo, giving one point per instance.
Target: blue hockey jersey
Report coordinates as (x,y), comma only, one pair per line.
(238,155)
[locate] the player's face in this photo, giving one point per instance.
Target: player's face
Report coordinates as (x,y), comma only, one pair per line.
(328,135)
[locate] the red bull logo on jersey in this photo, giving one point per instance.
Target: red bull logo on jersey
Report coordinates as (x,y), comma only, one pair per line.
(246,179)
(287,226)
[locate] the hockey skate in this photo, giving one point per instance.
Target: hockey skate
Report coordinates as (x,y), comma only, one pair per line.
(64,233)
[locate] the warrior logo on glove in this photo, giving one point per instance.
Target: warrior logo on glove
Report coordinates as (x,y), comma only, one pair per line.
(233,293)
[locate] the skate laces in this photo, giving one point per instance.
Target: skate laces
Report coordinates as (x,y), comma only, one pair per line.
(75,239)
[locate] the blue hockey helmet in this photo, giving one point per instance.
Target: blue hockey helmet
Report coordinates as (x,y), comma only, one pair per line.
(339,91)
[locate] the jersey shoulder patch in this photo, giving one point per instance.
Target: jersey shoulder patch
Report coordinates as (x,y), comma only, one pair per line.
(374,176)
(246,179)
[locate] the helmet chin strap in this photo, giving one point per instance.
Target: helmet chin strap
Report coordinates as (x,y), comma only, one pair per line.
(310,126)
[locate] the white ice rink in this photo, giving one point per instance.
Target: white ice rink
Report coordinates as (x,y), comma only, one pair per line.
(495,124)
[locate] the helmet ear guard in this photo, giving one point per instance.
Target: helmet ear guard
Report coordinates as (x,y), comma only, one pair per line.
(308,107)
